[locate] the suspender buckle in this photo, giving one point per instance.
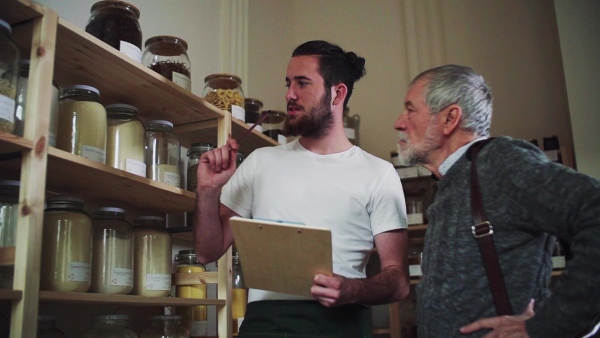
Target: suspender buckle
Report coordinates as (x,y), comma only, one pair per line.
(482,229)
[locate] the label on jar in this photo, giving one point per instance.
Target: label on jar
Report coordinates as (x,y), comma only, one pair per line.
(7,109)
(350,133)
(159,282)
(171,179)
(182,80)
(131,50)
(121,277)
(79,272)
(238,112)
(552,155)
(135,167)
(199,328)
(93,153)
(282,139)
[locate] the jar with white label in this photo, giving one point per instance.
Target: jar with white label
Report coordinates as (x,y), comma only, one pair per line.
(110,326)
(167,55)
(162,153)
(125,139)
(224,91)
(112,255)
(82,123)
(66,246)
(193,318)
(151,257)
(9,75)
(9,217)
(165,326)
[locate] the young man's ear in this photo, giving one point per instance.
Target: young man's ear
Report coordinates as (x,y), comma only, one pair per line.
(452,115)
(338,94)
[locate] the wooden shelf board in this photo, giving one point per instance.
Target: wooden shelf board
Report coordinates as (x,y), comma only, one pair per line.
(15,12)
(129,300)
(10,143)
(184,233)
(11,294)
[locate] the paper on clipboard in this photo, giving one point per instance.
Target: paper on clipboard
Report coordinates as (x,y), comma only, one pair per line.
(281,257)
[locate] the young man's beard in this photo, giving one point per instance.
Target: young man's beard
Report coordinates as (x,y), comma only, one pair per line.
(314,123)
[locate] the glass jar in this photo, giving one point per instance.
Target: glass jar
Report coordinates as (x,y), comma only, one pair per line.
(66,246)
(194,153)
(239,293)
(165,327)
(240,159)
(9,217)
(552,148)
(46,328)
(224,91)
(110,326)
(112,256)
(351,126)
(9,76)
(125,137)
(82,123)
(193,318)
(273,126)
(22,100)
(162,153)
(167,55)
(116,23)
(151,257)
(253,109)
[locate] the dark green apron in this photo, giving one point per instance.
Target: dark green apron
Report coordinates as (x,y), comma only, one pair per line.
(303,319)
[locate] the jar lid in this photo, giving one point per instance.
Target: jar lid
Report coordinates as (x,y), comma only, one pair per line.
(250,100)
(116,3)
(166,38)
(202,144)
(223,76)
(109,317)
(149,218)
(66,199)
(163,122)
(6,25)
(109,209)
(84,87)
(166,317)
(10,183)
(275,116)
(119,107)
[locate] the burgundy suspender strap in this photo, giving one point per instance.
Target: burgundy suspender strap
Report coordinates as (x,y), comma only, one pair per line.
(483,232)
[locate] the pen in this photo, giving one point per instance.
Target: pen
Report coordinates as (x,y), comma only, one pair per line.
(262,118)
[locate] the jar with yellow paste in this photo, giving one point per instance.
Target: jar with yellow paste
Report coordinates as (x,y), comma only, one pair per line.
(193,318)
(151,258)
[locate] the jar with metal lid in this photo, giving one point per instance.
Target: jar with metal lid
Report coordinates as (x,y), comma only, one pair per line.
(224,91)
(112,255)
(82,123)
(165,326)
(151,257)
(125,139)
(9,77)
(46,327)
(193,318)
(167,55)
(110,326)
(239,293)
(9,217)
(162,153)
(116,23)
(273,126)
(66,246)
(253,108)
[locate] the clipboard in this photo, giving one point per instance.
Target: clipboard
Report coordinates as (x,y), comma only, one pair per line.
(280,256)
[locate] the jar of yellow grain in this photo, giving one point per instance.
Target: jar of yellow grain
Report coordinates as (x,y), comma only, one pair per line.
(193,318)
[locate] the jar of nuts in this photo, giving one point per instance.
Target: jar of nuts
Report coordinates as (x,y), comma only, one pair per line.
(224,91)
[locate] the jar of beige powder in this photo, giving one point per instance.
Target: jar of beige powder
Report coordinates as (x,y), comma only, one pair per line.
(125,139)
(152,257)
(162,153)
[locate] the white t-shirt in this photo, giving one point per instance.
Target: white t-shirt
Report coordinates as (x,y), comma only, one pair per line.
(353,193)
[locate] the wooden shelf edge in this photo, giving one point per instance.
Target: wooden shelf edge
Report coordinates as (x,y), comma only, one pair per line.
(11,294)
(10,143)
(129,300)
(15,12)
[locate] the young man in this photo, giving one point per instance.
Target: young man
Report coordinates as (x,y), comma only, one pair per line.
(320,179)
(528,200)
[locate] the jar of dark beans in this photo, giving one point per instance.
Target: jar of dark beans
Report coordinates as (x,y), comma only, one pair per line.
(116,23)
(167,55)
(253,109)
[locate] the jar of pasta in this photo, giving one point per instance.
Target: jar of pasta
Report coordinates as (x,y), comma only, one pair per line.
(66,246)
(253,108)
(165,326)
(162,153)
(9,216)
(193,318)
(125,139)
(224,91)
(9,71)
(109,326)
(82,123)
(151,257)
(112,255)
(167,55)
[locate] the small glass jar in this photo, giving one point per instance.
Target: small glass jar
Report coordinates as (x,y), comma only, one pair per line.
(273,126)
(125,137)
(110,326)
(9,217)
(253,109)
(193,318)
(224,91)
(239,296)
(194,153)
(152,257)
(112,257)
(116,23)
(66,246)
(9,77)
(82,123)
(162,153)
(165,326)
(167,55)
(46,328)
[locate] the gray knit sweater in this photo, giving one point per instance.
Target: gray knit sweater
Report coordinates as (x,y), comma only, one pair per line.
(528,200)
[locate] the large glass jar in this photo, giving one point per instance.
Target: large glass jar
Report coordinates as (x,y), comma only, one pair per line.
(152,257)
(110,326)
(165,327)
(239,296)
(273,126)
(116,23)
(9,76)
(253,109)
(224,91)
(66,246)
(82,123)
(125,137)
(112,257)
(9,216)
(162,153)
(167,55)
(46,328)
(193,318)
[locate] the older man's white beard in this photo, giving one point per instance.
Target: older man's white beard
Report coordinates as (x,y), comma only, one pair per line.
(410,155)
